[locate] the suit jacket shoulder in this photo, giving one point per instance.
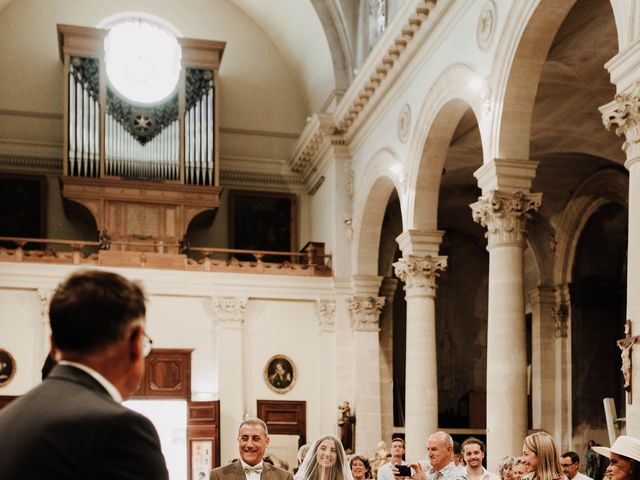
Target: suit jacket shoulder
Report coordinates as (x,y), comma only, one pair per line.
(274,473)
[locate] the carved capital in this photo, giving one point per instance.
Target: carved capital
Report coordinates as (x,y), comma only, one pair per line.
(505,215)
(624,113)
(420,273)
(326,310)
(365,313)
(44,294)
(229,311)
(561,319)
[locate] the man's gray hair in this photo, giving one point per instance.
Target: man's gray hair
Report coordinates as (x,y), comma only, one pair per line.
(254,421)
(444,436)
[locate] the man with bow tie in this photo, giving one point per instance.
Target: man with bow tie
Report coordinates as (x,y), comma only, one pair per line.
(253,440)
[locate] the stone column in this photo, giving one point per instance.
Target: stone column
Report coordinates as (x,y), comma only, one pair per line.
(387,290)
(561,328)
(504,215)
(364,312)
(624,114)
(229,318)
(544,377)
(419,273)
(326,310)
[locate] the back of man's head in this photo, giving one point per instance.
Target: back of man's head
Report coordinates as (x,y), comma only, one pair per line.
(92,309)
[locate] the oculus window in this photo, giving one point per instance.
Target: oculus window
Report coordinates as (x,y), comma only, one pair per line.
(142,60)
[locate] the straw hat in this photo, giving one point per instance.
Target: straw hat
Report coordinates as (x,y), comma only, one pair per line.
(624,445)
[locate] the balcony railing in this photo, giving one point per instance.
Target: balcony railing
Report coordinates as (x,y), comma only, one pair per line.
(310,261)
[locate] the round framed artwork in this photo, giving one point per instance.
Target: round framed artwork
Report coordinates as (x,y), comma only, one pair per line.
(280,373)
(7,367)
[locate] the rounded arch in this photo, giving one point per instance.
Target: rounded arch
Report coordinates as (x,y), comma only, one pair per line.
(370,202)
(444,105)
(525,46)
(608,185)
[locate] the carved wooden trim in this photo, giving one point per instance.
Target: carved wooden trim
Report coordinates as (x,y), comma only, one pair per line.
(286,417)
(203,426)
(167,374)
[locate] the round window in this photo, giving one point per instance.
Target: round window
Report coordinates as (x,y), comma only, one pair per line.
(142,60)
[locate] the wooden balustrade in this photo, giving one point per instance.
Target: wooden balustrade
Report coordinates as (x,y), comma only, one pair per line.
(311,261)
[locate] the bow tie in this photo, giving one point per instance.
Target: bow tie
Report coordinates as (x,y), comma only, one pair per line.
(257,469)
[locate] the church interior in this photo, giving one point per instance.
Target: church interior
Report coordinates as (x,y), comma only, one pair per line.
(419,210)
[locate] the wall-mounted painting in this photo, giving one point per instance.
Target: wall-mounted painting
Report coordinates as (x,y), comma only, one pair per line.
(23,207)
(262,221)
(280,373)
(7,367)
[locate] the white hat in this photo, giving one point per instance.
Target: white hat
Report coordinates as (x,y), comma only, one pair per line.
(624,445)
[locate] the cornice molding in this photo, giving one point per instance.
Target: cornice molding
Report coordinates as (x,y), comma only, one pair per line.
(249,177)
(376,71)
(31,162)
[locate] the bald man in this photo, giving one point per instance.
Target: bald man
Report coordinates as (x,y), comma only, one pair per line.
(440,453)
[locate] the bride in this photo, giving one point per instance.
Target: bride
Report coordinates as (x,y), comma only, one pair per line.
(325,460)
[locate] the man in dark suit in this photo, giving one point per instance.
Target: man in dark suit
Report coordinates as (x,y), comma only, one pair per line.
(72,425)
(253,439)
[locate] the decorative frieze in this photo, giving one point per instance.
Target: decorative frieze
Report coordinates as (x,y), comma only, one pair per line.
(624,112)
(326,310)
(504,215)
(229,311)
(365,313)
(420,273)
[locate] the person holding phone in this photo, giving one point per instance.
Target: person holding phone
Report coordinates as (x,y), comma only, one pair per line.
(440,453)
(385,472)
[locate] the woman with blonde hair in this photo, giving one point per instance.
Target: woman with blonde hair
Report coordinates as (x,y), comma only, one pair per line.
(540,455)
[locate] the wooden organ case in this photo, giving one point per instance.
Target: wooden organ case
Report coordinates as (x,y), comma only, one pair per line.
(143,171)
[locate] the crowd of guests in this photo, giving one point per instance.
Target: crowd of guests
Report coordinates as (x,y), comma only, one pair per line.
(73,426)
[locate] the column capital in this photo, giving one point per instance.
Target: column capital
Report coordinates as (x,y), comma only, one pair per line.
(504,215)
(325,310)
(420,273)
(229,311)
(623,112)
(45,294)
(420,242)
(506,175)
(365,312)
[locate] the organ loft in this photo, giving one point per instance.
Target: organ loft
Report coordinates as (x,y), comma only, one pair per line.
(140,135)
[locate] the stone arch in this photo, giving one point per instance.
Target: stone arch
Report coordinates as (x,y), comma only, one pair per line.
(444,105)
(525,47)
(608,185)
(370,202)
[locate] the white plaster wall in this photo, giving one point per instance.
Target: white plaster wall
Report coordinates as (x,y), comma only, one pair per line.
(280,318)
(186,322)
(290,328)
(322,210)
(22,334)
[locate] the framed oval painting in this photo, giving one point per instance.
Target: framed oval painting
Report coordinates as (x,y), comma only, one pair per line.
(280,373)
(7,367)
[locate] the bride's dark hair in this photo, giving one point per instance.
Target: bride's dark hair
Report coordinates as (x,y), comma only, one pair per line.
(310,470)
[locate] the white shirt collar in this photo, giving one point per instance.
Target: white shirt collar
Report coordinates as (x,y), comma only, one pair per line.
(108,386)
(246,465)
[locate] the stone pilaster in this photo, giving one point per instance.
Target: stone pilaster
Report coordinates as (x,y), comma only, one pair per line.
(228,313)
(544,377)
(505,214)
(364,312)
(419,273)
(623,114)
(387,290)
(43,329)
(326,314)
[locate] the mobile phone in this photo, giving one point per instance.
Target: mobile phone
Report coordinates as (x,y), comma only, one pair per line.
(403,470)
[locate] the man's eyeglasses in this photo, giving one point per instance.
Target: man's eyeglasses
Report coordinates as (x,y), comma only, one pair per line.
(147,343)
(567,464)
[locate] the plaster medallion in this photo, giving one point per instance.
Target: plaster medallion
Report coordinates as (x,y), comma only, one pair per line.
(486,25)
(404,123)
